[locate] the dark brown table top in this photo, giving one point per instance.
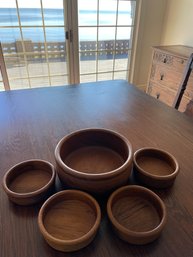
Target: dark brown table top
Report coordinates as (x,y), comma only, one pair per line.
(33,121)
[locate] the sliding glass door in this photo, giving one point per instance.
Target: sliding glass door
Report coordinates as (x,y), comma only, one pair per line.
(105,38)
(49,43)
(32,35)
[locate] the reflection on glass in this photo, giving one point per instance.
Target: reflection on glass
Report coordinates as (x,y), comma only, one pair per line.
(15,66)
(105,61)
(105,76)
(87,78)
(107,12)
(126,13)
(120,75)
(87,13)
(87,62)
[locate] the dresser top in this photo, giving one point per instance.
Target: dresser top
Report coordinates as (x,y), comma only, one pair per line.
(177,50)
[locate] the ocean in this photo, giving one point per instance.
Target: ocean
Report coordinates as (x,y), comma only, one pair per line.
(55,17)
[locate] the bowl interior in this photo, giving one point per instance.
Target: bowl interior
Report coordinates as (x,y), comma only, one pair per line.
(137,210)
(70,216)
(28,177)
(94,151)
(155,162)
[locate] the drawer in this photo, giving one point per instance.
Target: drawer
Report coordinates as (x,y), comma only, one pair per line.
(183,104)
(189,87)
(177,63)
(163,94)
(167,77)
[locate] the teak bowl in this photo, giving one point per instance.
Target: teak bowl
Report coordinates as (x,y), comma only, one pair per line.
(155,168)
(69,220)
(137,214)
(29,182)
(94,160)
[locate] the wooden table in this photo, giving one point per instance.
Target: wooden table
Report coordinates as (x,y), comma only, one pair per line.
(33,121)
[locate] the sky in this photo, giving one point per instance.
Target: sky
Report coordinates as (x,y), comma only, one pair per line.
(83,4)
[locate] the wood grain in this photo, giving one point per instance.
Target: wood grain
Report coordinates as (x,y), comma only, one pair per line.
(30,181)
(33,121)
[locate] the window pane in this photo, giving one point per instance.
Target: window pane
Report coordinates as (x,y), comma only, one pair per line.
(53,12)
(33,34)
(55,34)
(106,45)
(87,13)
(87,62)
(40,82)
(57,64)
(37,65)
(19,84)
(105,76)
(106,33)
(126,12)
(105,61)
(120,75)
(15,65)
(123,33)
(88,34)
(121,60)
(59,80)
(107,12)
(9,35)
(1,86)
(87,78)
(30,14)
(8,16)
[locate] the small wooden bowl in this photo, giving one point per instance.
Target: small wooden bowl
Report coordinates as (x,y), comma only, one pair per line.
(69,220)
(95,160)
(138,215)
(29,182)
(155,167)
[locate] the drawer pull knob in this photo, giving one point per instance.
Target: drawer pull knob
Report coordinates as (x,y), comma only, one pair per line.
(161,76)
(157,96)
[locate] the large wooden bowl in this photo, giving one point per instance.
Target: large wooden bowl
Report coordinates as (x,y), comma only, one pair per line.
(69,220)
(155,168)
(138,215)
(29,182)
(95,160)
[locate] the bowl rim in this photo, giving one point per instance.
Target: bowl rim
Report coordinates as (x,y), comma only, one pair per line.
(33,193)
(136,234)
(153,176)
(81,239)
(94,176)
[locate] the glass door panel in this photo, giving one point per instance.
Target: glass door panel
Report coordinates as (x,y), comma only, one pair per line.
(105,38)
(33,40)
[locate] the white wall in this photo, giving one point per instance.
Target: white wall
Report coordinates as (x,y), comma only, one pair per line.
(150,32)
(178,23)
